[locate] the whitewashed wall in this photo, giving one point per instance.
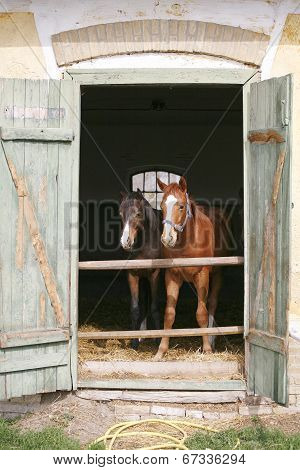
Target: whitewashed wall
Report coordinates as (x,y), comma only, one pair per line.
(267,16)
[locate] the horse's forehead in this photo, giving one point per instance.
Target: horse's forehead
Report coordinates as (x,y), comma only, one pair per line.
(174,195)
(137,203)
(131,203)
(170,200)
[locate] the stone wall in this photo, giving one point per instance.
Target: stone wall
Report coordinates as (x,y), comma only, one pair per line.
(131,411)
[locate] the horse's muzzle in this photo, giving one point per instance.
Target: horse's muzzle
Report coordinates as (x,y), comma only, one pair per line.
(170,242)
(127,246)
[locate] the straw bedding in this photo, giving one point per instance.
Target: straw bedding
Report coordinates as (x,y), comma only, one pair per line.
(183,349)
(112,313)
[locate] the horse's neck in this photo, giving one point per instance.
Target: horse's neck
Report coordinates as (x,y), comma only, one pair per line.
(151,245)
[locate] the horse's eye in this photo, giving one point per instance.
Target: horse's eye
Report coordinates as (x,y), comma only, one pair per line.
(181,207)
(139,214)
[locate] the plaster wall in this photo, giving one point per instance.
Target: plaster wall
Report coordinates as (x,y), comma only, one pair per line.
(265,16)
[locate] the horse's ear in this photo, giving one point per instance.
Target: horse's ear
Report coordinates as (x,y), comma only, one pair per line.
(161,184)
(182,184)
(139,192)
(123,194)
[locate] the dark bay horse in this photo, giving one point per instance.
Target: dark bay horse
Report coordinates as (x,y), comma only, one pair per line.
(187,233)
(141,237)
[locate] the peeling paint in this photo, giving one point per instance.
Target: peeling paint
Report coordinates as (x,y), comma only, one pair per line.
(291,32)
(16,112)
(176,10)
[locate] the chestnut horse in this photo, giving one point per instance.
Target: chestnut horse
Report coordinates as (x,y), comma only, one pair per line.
(188,233)
(141,237)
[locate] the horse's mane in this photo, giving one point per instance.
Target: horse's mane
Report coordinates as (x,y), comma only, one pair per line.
(194,206)
(135,195)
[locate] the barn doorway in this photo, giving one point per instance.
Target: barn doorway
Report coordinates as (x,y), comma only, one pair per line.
(129,135)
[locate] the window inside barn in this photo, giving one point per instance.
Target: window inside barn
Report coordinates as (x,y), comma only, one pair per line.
(146,182)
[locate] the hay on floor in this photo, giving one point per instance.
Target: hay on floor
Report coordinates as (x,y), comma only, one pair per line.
(183,349)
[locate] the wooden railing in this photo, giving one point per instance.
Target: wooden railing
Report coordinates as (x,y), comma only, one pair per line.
(160,263)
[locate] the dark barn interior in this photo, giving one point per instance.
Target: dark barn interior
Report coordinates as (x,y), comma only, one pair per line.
(195,130)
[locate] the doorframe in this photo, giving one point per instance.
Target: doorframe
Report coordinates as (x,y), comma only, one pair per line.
(171,76)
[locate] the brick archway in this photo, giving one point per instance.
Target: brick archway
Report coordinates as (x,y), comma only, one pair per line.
(179,36)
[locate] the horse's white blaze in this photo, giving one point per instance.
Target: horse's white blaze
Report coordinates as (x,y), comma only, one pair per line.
(125,234)
(170,201)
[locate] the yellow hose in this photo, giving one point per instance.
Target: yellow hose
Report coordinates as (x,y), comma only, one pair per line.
(118,431)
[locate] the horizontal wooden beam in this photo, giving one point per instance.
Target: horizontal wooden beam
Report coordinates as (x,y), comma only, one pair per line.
(162,384)
(183,332)
(267,341)
(171,369)
(226,396)
(29,338)
(161,263)
(33,133)
(194,76)
(35,362)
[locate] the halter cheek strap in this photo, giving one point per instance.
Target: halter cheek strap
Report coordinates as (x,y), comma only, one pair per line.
(180,227)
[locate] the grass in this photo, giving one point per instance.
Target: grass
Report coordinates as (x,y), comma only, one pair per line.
(253,437)
(49,438)
(250,438)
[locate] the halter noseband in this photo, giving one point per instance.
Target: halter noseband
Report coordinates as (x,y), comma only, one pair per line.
(180,227)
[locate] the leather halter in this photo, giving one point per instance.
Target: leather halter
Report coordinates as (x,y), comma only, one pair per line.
(180,227)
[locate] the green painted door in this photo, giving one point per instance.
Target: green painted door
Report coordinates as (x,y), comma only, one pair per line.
(39,157)
(268,180)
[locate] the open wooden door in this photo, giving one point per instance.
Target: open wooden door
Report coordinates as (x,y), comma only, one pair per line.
(39,157)
(268,202)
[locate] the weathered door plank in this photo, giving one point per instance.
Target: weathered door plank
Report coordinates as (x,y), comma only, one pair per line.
(64,218)
(51,221)
(44,134)
(17,220)
(33,281)
(31,364)
(28,338)
(6,236)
